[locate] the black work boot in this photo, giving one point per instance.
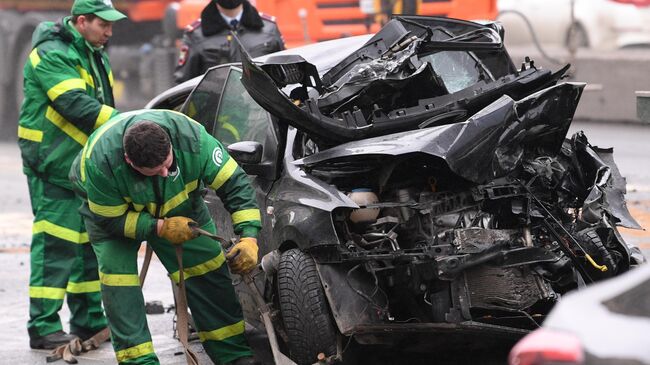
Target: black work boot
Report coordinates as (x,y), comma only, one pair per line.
(51,341)
(246,360)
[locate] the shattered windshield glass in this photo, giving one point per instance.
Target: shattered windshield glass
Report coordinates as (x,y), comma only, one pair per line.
(458,70)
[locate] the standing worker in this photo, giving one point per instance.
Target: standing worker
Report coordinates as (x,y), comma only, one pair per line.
(68,93)
(143,175)
(207,42)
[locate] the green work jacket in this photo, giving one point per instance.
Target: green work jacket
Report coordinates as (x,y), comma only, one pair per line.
(121,202)
(68,94)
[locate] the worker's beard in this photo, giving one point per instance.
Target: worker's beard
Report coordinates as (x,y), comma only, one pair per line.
(229,4)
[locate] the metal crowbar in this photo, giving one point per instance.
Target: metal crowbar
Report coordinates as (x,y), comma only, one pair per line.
(265,312)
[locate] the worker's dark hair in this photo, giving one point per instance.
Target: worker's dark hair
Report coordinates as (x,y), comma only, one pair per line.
(90,17)
(146,144)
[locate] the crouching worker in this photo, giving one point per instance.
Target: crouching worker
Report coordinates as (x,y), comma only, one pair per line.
(142,175)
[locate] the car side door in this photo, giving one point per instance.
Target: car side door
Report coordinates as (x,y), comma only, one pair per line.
(222,105)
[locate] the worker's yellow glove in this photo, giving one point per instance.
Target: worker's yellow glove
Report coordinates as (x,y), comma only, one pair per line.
(243,256)
(177,230)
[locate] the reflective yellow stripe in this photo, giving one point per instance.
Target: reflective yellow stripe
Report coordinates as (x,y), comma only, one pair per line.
(104,129)
(104,115)
(201,269)
(82,165)
(45,292)
(110,211)
(119,279)
(134,352)
(60,232)
(85,75)
(83,287)
(130,224)
(30,134)
(65,86)
(65,126)
(246,215)
(110,79)
(34,58)
(231,128)
(151,208)
(185,117)
(179,198)
(224,174)
(223,332)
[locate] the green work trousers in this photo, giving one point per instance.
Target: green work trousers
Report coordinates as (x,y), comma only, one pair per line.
(210,295)
(62,264)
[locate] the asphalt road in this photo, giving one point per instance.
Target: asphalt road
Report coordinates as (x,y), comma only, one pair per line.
(631,153)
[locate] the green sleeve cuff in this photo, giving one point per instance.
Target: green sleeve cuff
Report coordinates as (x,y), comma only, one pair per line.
(250,232)
(146,227)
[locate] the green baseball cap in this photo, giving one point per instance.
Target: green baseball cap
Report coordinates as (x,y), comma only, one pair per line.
(102,8)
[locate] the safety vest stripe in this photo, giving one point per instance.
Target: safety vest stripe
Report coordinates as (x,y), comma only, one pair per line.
(104,115)
(105,128)
(179,198)
(136,206)
(85,75)
(130,224)
(65,86)
(184,116)
(110,79)
(246,215)
(57,231)
(224,174)
(30,134)
(119,279)
(134,352)
(200,269)
(83,287)
(223,332)
(109,211)
(82,165)
(151,208)
(65,126)
(34,58)
(44,292)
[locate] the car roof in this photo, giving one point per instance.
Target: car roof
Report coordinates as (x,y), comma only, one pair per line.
(323,55)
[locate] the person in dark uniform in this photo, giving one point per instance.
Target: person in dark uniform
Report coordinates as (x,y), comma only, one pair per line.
(208,41)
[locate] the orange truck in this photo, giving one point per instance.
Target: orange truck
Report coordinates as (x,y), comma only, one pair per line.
(143,48)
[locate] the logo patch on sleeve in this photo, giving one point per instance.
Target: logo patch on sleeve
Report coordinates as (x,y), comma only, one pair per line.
(217,156)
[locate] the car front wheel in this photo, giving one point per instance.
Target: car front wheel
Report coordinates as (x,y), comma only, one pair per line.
(305,312)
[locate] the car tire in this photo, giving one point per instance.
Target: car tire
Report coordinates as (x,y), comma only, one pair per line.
(577,37)
(305,312)
(593,244)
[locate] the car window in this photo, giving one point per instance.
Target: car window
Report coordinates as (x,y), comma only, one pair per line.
(239,117)
(203,102)
(458,70)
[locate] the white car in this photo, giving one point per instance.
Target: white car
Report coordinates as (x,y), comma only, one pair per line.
(599,24)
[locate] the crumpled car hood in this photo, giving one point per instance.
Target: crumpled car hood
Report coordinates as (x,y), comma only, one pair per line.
(489,144)
(359,99)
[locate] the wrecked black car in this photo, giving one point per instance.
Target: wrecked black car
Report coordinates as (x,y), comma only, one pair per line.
(417,187)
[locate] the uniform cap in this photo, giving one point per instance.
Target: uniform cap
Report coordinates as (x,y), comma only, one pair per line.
(102,8)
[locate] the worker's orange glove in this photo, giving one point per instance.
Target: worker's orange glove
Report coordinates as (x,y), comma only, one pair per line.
(243,256)
(177,230)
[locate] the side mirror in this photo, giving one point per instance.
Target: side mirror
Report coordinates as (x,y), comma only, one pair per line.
(248,155)
(246,152)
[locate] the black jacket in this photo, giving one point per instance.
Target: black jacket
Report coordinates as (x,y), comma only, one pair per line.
(207,42)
